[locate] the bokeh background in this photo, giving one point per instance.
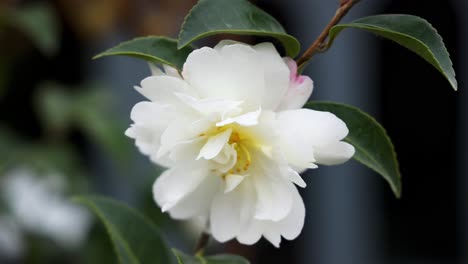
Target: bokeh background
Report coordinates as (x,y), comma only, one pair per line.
(62,117)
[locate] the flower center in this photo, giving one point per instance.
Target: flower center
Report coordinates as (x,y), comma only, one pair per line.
(244,159)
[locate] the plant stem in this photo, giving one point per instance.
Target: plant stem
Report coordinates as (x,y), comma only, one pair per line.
(201,244)
(318,44)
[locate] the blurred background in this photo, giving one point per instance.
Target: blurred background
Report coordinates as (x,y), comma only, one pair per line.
(62,118)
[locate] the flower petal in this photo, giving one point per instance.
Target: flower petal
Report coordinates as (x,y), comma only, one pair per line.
(302,130)
(299,91)
(234,73)
(247,119)
(276,75)
(273,198)
(225,218)
(198,202)
(168,190)
(334,153)
(291,226)
(214,145)
(163,88)
(232,181)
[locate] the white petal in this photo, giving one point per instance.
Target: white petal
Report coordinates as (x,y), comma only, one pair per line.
(291,226)
(214,145)
(171,71)
(273,237)
(151,114)
(225,218)
(180,130)
(185,151)
(296,178)
(334,153)
(297,94)
(162,89)
(175,183)
(302,130)
(155,70)
(211,106)
(276,75)
(274,199)
(226,42)
(247,119)
(226,159)
(198,202)
(232,181)
(233,73)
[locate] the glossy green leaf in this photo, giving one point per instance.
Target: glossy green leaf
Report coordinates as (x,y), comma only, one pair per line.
(373,146)
(412,32)
(217,259)
(39,22)
(136,240)
(240,17)
(153,49)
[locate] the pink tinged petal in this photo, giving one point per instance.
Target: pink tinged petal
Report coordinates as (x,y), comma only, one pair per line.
(276,75)
(299,91)
(176,183)
(248,119)
(225,217)
(301,131)
(214,145)
(198,202)
(232,181)
(233,73)
(334,153)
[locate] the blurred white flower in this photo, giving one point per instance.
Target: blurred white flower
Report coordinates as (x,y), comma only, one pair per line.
(39,206)
(11,239)
(230,130)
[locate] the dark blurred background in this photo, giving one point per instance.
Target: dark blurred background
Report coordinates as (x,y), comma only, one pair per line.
(62,117)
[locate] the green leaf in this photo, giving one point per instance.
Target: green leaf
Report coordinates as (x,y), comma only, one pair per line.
(217,259)
(39,23)
(55,107)
(412,32)
(136,240)
(240,17)
(153,49)
(373,146)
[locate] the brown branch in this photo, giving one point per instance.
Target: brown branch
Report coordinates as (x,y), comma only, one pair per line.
(345,6)
(201,244)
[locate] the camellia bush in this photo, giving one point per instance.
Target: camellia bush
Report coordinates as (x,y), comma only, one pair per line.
(232,125)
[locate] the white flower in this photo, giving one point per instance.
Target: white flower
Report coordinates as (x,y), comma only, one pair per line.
(38,206)
(230,131)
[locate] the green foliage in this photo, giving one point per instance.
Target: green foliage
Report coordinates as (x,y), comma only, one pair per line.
(240,17)
(153,49)
(218,259)
(136,240)
(88,109)
(39,23)
(373,146)
(412,32)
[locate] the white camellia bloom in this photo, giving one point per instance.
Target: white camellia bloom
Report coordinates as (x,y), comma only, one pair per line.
(234,139)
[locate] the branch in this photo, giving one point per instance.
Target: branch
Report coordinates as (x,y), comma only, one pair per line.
(201,244)
(318,45)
